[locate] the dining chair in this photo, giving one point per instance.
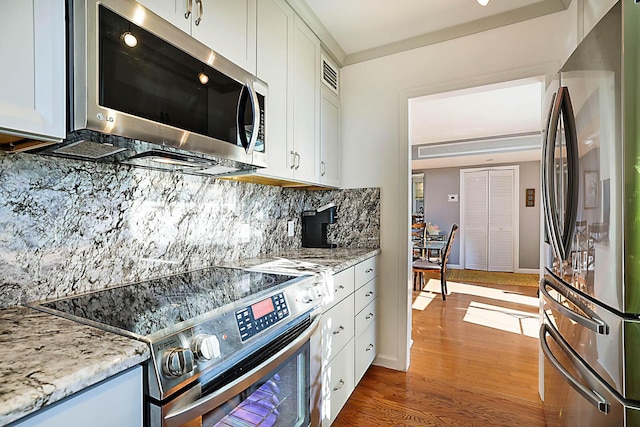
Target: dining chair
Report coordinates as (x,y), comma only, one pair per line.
(418,230)
(423,265)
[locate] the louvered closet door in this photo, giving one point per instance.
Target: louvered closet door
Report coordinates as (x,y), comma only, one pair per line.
(500,248)
(475,220)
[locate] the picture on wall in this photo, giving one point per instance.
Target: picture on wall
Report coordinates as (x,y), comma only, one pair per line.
(591,189)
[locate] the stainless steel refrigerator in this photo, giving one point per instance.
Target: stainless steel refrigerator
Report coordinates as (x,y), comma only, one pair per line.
(590,293)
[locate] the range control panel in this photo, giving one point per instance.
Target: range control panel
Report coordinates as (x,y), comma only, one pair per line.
(259,316)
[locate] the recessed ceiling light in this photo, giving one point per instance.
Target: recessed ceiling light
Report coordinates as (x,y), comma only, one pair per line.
(483,2)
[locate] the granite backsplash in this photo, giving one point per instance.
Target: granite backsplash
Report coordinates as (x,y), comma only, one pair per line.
(69,226)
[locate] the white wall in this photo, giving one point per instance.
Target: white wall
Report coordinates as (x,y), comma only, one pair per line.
(374,133)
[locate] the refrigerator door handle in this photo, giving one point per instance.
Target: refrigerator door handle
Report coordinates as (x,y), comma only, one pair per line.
(589,395)
(562,113)
(592,322)
(547,158)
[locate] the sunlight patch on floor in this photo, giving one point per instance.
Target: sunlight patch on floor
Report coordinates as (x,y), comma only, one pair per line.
(505,319)
(433,285)
(423,300)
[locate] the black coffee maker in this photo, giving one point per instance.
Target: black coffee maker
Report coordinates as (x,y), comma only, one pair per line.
(314,226)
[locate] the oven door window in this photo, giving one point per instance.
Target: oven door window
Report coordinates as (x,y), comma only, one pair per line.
(280,398)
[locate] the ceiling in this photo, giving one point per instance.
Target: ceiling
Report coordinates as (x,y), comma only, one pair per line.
(367,29)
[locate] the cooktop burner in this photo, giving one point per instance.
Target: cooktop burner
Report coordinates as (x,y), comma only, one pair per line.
(148,307)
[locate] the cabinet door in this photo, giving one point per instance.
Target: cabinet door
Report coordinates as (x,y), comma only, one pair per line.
(340,286)
(337,383)
(116,401)
(229,28)
(366,350)
(306,105)
(174,11)
(275,67)
(329,138)
(337,328)
(32,81)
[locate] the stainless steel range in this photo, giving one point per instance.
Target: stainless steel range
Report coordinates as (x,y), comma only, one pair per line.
(229,346)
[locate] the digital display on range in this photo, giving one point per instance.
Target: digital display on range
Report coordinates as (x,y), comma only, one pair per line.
(262,308)
(261,315)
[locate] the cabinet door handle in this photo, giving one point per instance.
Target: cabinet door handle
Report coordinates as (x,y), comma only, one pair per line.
(369,347)
(368,294)
(189,8)
(200,11)
(369,270)
(337,331)
(297,160)
(339,386)
(323,168)
(369,316)
(293,159)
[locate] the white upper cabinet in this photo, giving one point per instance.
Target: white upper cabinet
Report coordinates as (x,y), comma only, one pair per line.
(329,138)
(178,12)
(288,61)
(228,27)
(306,104)
(32,80)
(275,67)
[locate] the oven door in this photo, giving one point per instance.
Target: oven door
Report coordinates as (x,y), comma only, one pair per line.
(276,385)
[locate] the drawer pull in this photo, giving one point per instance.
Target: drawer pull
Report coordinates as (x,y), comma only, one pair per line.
(369,270)
(369,316)
(339,386)
(337,331)
(368,294)
(338,289)
(369,347)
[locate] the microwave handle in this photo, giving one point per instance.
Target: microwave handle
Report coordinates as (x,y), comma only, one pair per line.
(248,93)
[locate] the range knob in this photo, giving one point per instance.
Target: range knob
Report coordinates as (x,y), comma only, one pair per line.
(205,347)
(177,361)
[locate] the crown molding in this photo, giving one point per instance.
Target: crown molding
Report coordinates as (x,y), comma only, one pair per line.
(525,13)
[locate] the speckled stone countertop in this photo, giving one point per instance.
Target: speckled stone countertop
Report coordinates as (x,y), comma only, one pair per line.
(331,260)
(47,358)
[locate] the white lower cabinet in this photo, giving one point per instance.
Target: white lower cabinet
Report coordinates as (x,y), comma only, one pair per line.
(365,350)
(348,334)
(116,401)
(337,328)
(337,383)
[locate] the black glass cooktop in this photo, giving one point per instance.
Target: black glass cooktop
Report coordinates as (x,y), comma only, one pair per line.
(148,307)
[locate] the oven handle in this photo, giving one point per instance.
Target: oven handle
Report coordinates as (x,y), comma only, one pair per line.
(212,401)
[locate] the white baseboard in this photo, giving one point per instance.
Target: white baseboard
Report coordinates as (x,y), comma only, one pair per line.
(520,270)
(528,271)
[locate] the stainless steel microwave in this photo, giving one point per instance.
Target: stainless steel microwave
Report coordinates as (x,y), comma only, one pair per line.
(136,76)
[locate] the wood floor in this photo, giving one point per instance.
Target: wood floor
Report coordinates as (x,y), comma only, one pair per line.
(461,373)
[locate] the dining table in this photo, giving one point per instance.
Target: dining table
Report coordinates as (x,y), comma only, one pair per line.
(428,248)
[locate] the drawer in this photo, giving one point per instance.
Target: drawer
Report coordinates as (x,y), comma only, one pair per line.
(366,350)
(339,285)
(337,328)
(366,294)
(337,384)
(366,317)
(366,270)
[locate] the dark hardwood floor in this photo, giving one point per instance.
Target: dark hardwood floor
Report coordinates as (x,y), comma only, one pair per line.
(461,373)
